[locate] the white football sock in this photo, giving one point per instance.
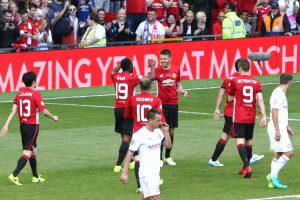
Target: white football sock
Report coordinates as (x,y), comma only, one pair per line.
(274,173)
(279,165)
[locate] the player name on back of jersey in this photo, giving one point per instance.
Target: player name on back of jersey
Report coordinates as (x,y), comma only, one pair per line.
(121,78)
(242,80)
(144,99)
(25,94)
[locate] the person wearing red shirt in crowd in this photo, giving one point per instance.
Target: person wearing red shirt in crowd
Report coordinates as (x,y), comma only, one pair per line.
(217,26)
(169,86)
(124,84)
(28,103)
(28,31)
(158,6)
(137,108)
(136,12)
(261,9)
(33,20)
(173,6)
(228,110)
(246,91)
(171,26)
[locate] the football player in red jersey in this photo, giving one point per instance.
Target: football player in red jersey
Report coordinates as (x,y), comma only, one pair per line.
(169,86)
(28,103)
(228,109)
(246,91)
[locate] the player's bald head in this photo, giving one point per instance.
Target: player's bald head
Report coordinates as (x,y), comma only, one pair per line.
(145,84)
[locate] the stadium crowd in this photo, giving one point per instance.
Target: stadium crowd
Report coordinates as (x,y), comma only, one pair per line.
(92,23)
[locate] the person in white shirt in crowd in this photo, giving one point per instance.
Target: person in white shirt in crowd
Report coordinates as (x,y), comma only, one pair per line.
(44,36)
(279,131)
(73,37)
(147,142)
(150,29)
(291,8)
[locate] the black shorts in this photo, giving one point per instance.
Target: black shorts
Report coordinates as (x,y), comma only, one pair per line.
(29,133)
(171,114)
(243,131)
(123,126)
(227,125)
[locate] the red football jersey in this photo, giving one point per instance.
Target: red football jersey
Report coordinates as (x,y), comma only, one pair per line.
(29,103)
(262,11)
(26,41)
(244,89)
(228,109)
(174,9)
(124,84)
(138,107)
(134,6)
(36,24)
(158,6)
(167,84)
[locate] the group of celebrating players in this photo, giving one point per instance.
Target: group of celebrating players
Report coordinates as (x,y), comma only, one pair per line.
(147,122)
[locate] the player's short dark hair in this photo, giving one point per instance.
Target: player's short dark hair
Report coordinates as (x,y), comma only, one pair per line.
(145,84)
(151,114)
(166,52)
(236,64)
(28,78)
(230,6)
(94,17)
(285,78)
(22,12)
(100,9)
(244,64)
(126,65)
(32,5)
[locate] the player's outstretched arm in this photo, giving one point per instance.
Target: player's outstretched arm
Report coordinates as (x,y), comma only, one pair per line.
(165,129)
(13,112)
(261,105)
(48,114)
(124,175)
(275,122)
(115,69)
(217,113)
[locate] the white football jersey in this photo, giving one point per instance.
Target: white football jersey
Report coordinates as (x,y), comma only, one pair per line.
(279,101)
(148,146)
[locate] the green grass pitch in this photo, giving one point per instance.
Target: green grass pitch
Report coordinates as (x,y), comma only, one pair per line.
(77,155)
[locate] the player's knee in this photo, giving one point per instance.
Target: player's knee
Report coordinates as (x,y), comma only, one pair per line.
(289,154)
(225,136)
(27,153)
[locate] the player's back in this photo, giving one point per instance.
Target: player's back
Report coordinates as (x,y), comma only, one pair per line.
(141,104)
(245,90)
(228,109)
(29,103)
(124,84)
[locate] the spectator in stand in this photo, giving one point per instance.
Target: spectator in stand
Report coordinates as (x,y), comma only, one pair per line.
(185,7)
(101,16)
(173,6)
(291,8)
(44,7)
(28,32)
(136,12)
(205,6)
(3,6)
(217,26)
(221,3)
(275,23)
(159,7)
(104,4)
(55,15)
(150,28)
(73,37)
(44,36)
(171,26)
(38,3)
(95,35)
(248,6)
(9,30)
(244,16)
(260,9)
(232,30)
(202,28)
(32,18)
(120,30)
(115,5)
(188,26)
(15,10)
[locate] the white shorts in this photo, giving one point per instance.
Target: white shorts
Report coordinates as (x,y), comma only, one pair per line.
(150,185)
(284,144)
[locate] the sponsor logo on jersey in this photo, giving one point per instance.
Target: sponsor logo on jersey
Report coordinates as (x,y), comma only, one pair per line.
(168,82)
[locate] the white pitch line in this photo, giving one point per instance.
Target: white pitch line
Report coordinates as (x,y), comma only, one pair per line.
(111,107)
(106,95)
(279,197)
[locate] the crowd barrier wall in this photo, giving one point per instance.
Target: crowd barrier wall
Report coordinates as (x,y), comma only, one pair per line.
(197,60)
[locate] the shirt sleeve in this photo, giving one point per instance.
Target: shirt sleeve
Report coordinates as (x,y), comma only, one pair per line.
(16,100)
(100,33)
(259,88)
(39,102)
(275,101)
(178,79)
(136,141)
(139,31)
(230,90)
(224,84)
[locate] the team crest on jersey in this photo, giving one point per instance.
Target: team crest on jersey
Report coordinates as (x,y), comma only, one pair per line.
(174,75)
(132,142)
(25,27)
(161,76)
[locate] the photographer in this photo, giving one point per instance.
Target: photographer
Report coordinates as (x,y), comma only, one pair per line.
(9,31)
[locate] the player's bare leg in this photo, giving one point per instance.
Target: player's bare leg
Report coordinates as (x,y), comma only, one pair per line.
(169,160)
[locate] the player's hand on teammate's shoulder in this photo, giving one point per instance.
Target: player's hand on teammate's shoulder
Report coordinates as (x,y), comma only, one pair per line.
(55,118)
(217,115)
(124,178)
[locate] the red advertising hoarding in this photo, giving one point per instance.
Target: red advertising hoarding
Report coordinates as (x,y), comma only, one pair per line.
(197,60)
